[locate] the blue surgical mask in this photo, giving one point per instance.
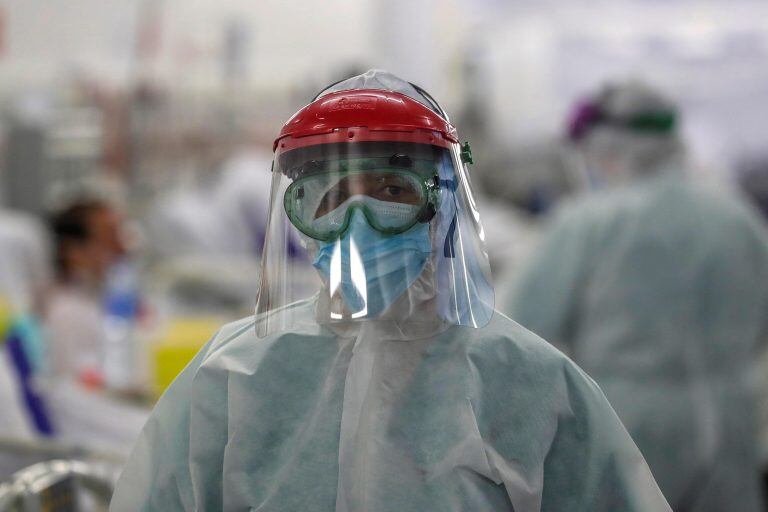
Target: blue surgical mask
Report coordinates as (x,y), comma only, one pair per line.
(370,269)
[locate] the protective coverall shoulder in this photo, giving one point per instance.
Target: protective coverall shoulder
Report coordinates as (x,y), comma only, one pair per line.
(473,419)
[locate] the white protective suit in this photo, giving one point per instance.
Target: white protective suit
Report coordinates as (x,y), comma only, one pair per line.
(14,422)
(23,275)
(469,419)
(433,403)
(660,292)
(24,259)
(659,289)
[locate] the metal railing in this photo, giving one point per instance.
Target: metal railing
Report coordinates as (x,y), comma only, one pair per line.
(58,486)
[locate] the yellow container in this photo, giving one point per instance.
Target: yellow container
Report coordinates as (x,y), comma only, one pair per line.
(6,318)
(177,345)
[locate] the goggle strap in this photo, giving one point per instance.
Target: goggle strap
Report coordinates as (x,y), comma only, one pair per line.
(427,213)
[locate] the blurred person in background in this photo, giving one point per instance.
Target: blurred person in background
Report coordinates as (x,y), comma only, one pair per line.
(14,421)
(24,279)
(25,269)
(88,241)
(84,321)
(396,386)
(24,276)
(658,288)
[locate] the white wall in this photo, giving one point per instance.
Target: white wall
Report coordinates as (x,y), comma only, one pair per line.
(290,42)
(709,55)
(45,39)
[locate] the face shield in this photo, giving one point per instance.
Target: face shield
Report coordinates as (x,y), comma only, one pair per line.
(373,184)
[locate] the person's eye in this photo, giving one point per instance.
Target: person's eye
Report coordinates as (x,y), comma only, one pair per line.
(393,190)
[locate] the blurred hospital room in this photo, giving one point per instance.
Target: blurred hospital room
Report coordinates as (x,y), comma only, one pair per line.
(136,161)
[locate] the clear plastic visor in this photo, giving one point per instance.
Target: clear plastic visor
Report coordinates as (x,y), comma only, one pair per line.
(389,230)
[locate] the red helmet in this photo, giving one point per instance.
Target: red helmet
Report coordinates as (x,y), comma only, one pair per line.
(365,115)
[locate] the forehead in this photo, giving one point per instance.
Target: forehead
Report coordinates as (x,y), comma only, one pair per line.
(295,159)
(103,218)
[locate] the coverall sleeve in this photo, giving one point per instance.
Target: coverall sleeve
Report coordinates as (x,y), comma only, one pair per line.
(593,464)
(157,475)
(551,437)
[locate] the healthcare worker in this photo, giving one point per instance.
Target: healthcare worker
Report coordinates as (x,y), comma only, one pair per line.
(658,288)
(24,276)
(88,241)
(14,421)
(396,387)
(24,414)
(89,244)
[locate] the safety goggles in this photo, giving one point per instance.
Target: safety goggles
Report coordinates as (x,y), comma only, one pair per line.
(392,199)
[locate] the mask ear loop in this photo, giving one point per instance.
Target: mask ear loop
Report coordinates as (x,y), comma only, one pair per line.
(427,213)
